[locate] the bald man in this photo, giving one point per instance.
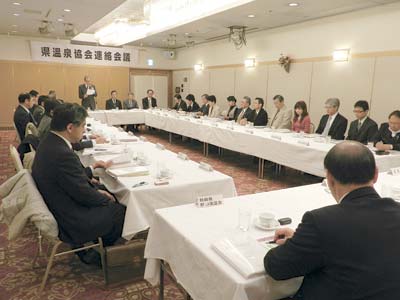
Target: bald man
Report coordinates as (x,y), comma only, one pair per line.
(349,250)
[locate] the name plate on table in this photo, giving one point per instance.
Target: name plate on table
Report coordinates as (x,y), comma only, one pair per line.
(143,139)
(276,137)
(160,146)
(182,156)
(305,143)
(215,124)
(187,119)
(212,200)
(394,171)
(249,131)
(230,127)
(200,121)
(166,115)
(205,166)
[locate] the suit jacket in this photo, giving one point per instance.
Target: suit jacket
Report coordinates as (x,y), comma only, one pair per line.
(130,104)
(230,113)
(145,103)
(89,101)
(110,104)
(367,132)
(204,109)
(338,127)
(248,114)
(82,213)
(260,119)
(214,112)
(21,118)
(385,135)
(38,113)
(180,106)
(282,119)
(44,126)
(193,108)
(344,251)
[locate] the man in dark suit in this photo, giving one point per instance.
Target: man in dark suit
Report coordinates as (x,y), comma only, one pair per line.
(204,107)
(149,100)
(245,112)
(349,250)
(191,103)
(259,116)
(131,103)
(363,129)
(87,93)
(113,103)
(34,99)
(83,213)
(22,114)
(179,103)
(333,123)
(388,136)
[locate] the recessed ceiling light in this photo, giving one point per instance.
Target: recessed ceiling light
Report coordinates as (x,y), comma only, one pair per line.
(293,4)
(14,25)
(251,16)
(16,15)
(186,33)
(67,10)
(14,31)
(60,20)
(17,3)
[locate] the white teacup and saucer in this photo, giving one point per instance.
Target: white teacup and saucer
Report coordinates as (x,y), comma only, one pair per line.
(266,221)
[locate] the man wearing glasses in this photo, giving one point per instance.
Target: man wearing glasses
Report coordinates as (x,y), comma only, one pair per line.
(363,129)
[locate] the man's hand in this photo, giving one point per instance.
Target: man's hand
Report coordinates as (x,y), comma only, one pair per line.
(107,194)
(383,147)
(100,140)
(102,164)
(282,234)
(243,121)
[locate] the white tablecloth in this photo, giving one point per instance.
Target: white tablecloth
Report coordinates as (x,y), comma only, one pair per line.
(182,236)
(119,117)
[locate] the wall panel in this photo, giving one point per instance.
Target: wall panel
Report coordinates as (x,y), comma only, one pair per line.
(199,83)
(9,98)
(251,82)
(222,85)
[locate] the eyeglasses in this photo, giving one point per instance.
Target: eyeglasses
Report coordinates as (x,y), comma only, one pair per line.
(358,111)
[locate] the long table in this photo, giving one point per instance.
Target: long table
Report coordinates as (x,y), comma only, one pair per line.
(288,149)
(182,237)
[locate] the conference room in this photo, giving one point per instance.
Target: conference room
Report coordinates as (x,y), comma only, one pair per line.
(206,150)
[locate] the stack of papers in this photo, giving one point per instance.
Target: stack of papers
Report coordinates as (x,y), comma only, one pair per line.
(129,171)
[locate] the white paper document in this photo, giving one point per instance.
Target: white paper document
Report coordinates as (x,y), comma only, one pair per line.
(130,171)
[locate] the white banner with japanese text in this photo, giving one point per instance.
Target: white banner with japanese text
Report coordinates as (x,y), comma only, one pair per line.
(77,54)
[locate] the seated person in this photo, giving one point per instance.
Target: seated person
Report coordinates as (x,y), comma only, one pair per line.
(191,103)
(34,99)
(83,213)
(204,107)
(149,101)
(230,113)
(363,129)
(301,120)
(346,250)
(245,112)
(332,124)
(283,116)
(52,95)
(180,105)
(44,126)
(131,103)
(259,116)
(388,136)
(39,110)
(113,103)
(213,110)
(22,114)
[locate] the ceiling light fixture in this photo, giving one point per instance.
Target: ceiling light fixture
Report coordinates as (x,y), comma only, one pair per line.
(150,62)
(250,62)
(293,4)
(251,16)
(237,35)
(341,55)
(17,3)
(60,20)
(198,67)
(14,25)
(16,15)
(67,10)
(120,32)
(14,31)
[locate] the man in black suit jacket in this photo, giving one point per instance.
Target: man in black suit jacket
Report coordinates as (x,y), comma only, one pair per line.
(349,250)
(87,93)
(179,103)
(113,103)
(259,116)
(388,136)
(83,213)
(191,103)
(149,100)
(333,123)
(22,114)
(203,111)
(245,112)
(363,129)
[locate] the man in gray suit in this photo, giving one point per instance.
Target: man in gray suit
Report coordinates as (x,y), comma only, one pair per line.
(87,93)
(283,116)
(131,103)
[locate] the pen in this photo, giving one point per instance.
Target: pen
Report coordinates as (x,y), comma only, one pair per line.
(139,184)
(281,236)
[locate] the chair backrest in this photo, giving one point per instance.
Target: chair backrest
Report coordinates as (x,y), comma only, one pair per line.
(31,129)
(16,159)
(312,128)
(17,135)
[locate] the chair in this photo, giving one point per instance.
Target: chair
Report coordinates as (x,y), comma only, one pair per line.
(17,137)
(16,159)
(312,128)
(31,129)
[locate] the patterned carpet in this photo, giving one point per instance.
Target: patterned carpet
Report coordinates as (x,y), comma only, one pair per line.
(69,278)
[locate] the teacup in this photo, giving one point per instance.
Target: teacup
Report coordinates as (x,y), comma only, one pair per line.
(267,219)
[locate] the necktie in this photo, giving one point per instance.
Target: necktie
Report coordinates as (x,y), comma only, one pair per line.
(273,120)
(240,117)
(359,125)
(327,127)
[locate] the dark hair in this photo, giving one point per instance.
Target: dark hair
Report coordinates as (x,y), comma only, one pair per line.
(50,105)
(113,91)
(279,97)
(302,105)
(42,98)
(260,101)
(149,90)
(178,96)
(34,93)
(190,97)
(395,113)
(231,99)
(24,96)
(248,99)
(350,163)
(68,113)
(362,104)
(205,96)
(212,98)
(52,92)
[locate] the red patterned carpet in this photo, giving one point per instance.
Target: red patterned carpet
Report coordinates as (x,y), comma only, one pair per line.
(70,279)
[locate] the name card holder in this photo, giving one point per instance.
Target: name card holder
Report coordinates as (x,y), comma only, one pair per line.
(207,201)
(394,171)
(250,131)
(142,138)
(160,146)
(215,124)
(205,166)
(200,121)
(276,137)
(231,127)
(182,156)
(305,143)
(166,115)
(187,119)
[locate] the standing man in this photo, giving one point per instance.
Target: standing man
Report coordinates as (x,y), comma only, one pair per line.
(87,93)
(113,103)
(363,129)
(283,116)
(149,100)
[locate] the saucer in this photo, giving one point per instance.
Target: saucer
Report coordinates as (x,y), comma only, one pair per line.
(262,227)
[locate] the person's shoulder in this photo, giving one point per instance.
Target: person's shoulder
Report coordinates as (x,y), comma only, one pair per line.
(342,117)
(384,125)
(371,122)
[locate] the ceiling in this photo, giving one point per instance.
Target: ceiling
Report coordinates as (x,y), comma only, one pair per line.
(87,15)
